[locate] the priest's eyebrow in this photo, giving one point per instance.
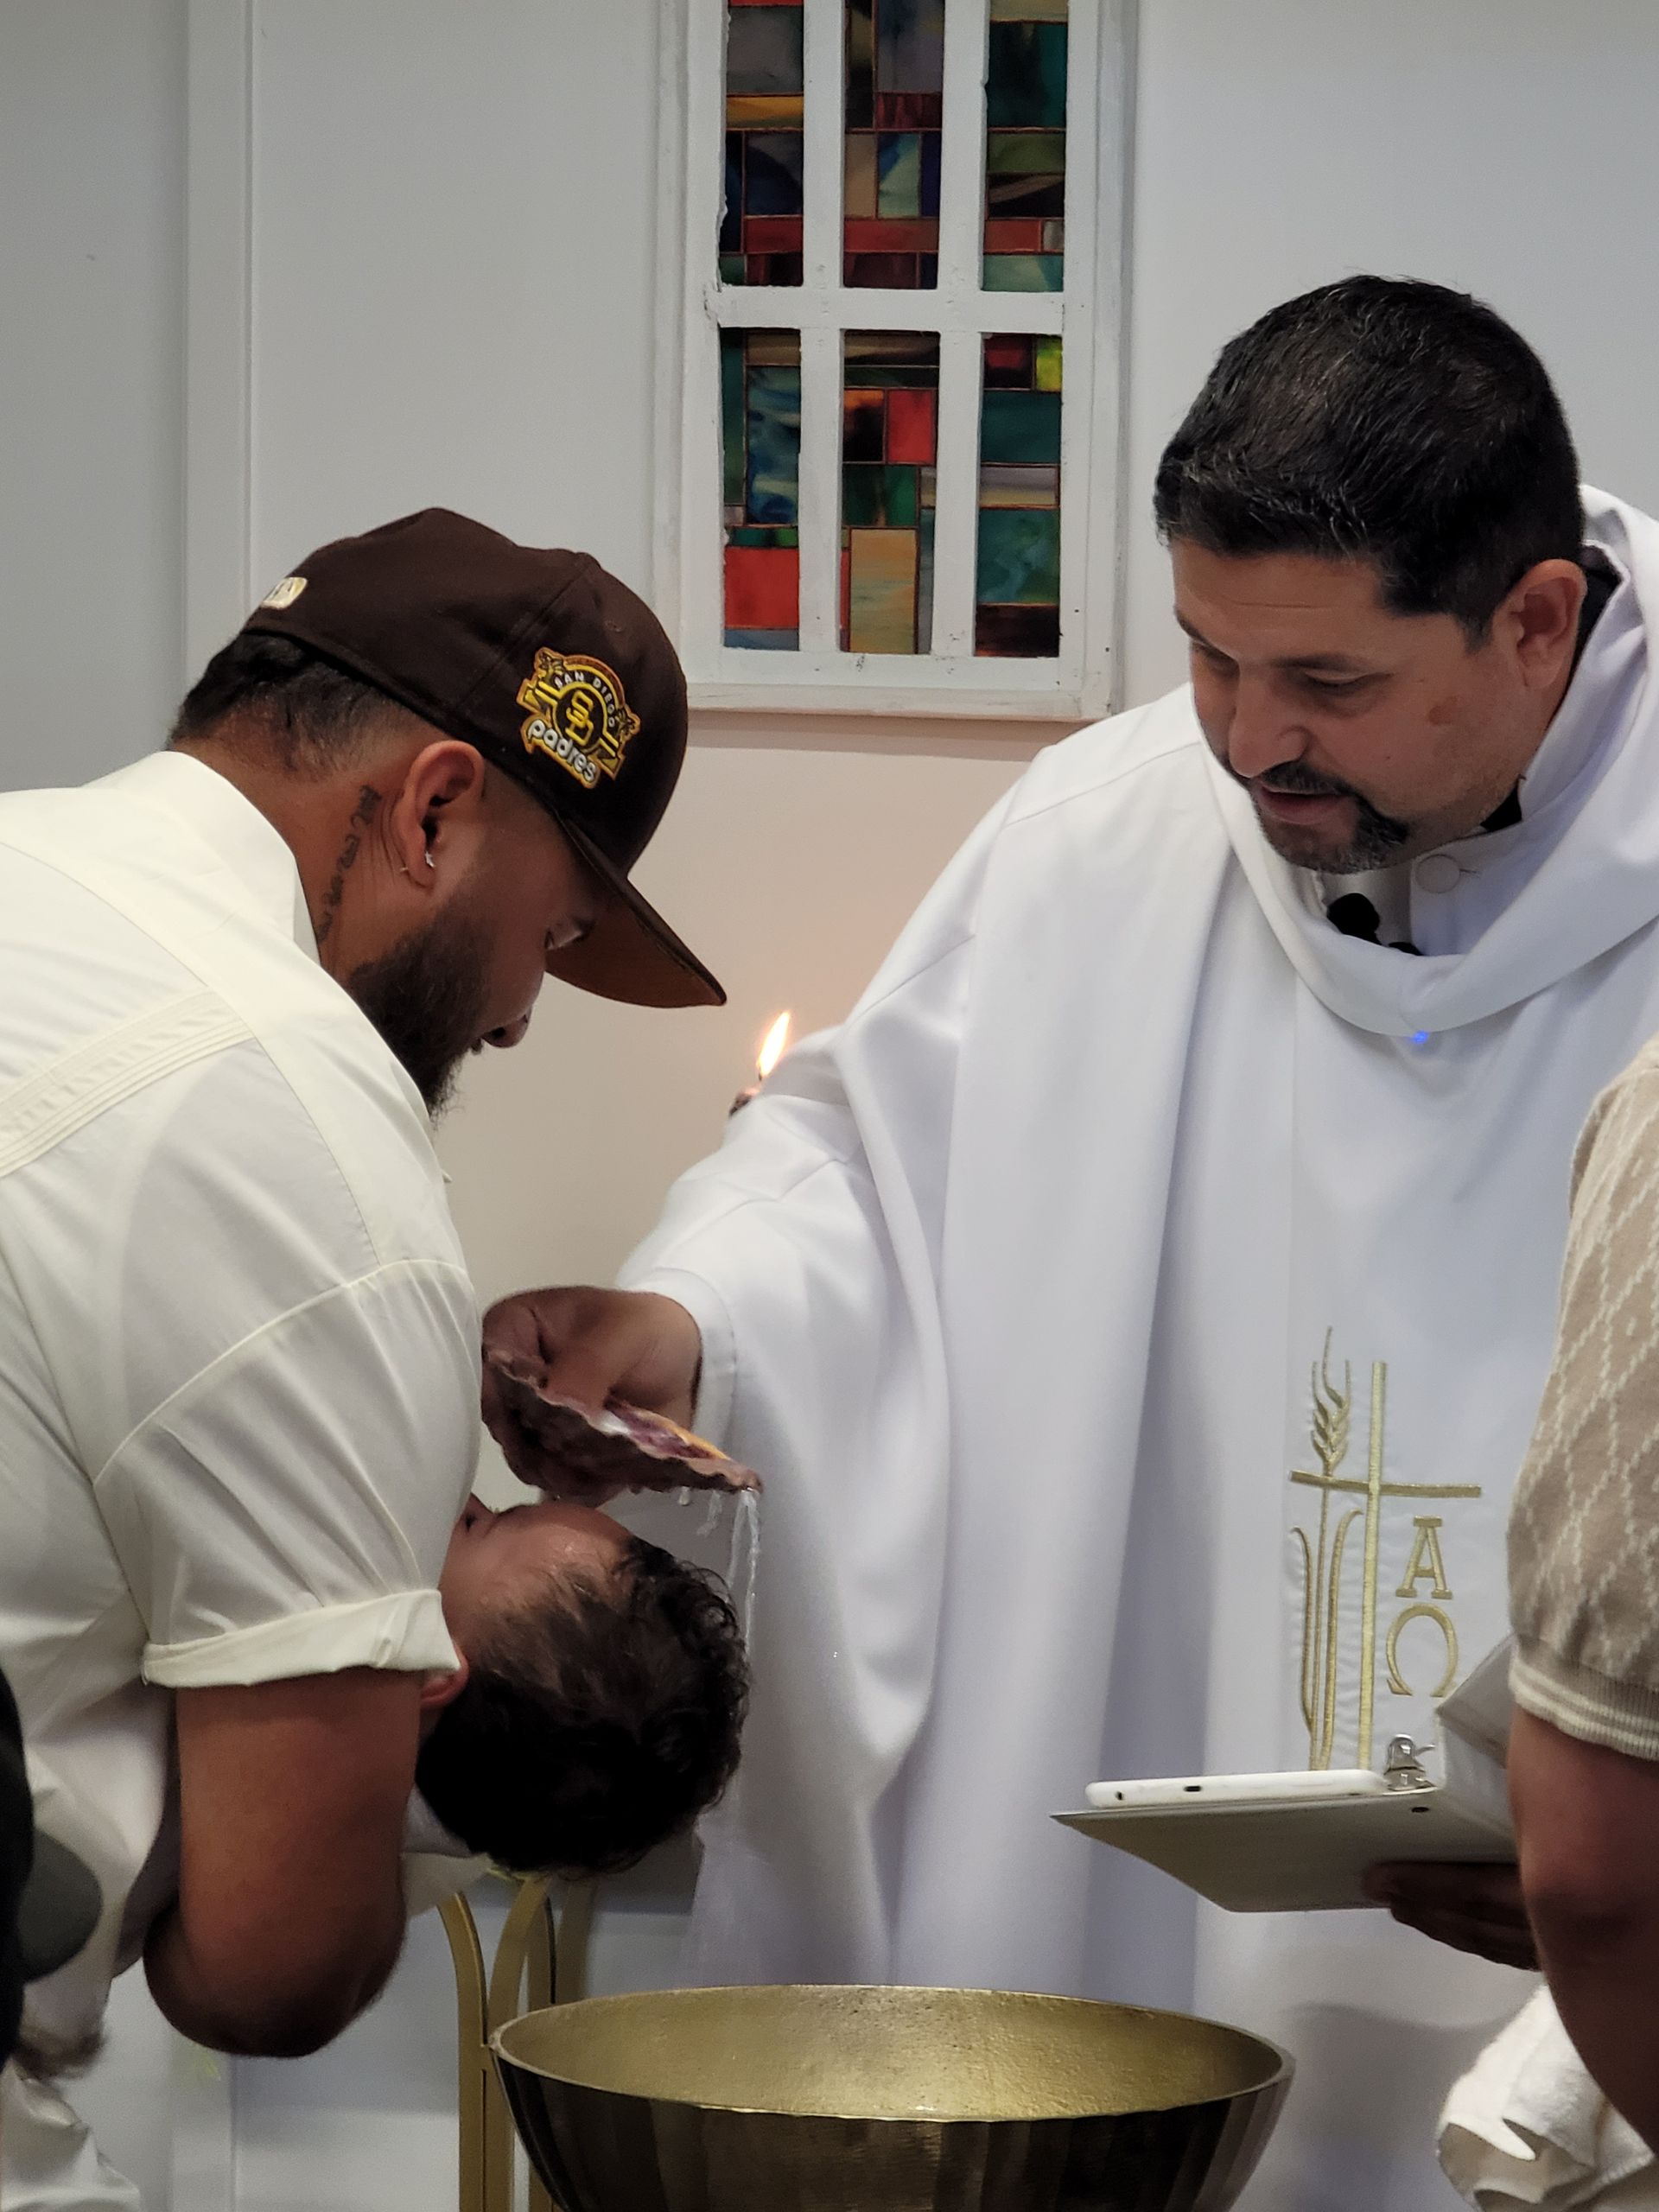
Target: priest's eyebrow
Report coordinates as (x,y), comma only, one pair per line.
(1305,663)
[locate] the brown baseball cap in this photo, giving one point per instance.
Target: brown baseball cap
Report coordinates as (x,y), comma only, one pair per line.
(560,676)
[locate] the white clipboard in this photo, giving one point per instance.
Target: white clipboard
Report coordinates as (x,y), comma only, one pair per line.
(1266,1843)
(1295,1854)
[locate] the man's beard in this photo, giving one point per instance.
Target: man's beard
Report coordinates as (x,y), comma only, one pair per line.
(1376,840)
(428,998)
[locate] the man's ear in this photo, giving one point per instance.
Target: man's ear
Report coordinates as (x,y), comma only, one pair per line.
(1543,612)
(439,1690)
(435,820)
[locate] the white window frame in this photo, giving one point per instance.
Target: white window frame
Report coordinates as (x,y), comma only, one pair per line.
(813,691)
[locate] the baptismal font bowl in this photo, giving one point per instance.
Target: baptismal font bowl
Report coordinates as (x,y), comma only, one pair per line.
(850,2100)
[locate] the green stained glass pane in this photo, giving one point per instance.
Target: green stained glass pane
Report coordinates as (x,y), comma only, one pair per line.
(1026,153)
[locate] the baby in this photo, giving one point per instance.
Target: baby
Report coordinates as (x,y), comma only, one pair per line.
(597,1709)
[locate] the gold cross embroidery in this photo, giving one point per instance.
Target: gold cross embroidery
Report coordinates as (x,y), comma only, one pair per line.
(1322,1561)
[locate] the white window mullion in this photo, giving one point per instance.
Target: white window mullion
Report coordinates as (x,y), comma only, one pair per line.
(821,153)
(820,489)
(956,495)
(962,158)
(820,478)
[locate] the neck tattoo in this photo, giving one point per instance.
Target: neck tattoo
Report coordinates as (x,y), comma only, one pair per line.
(368,804)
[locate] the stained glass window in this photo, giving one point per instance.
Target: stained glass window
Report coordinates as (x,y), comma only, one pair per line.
(889,444)
(766,103)
(894,125)
(896,499)
(760,411)
(1024,146)
(1017,571)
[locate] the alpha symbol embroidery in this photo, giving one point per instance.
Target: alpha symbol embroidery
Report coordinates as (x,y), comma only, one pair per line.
(579,715)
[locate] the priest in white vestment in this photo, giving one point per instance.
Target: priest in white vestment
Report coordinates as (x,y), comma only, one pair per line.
(1139,1306)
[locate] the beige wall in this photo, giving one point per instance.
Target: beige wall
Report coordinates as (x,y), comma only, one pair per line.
(790,873)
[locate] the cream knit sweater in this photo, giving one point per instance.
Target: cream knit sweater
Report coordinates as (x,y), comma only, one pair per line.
(1584,1529)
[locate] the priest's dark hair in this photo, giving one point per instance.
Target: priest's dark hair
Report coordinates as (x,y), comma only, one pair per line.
(286,699)
(595,1723)
(1389,421)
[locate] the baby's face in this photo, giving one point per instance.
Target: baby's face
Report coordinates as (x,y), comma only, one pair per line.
(496,1558)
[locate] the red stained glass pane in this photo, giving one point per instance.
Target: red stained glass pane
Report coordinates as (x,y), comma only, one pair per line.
(763,587)
(911,427)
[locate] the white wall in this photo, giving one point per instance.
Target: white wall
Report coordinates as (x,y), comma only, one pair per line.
(92,299)
(1503,146)
(452,299)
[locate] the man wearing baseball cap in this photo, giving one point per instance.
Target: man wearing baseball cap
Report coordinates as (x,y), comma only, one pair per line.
(238,1344)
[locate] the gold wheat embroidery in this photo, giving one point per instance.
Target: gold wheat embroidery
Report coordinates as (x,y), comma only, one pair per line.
(1331,1419)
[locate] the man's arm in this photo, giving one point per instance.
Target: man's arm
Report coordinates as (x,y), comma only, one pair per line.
(289,1914)
(1587,1818)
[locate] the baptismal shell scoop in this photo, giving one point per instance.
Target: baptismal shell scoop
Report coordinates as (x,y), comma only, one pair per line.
(616,1446)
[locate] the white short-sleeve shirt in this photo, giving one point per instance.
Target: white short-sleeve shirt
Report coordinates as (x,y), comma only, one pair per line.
(238,1347)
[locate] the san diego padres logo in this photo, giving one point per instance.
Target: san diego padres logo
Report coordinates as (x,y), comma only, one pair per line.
(579,715)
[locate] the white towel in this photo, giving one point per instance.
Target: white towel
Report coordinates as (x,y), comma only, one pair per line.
(1526,2127)
(436,1864)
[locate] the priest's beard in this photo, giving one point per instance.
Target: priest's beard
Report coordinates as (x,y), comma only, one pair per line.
(428,998)
(1377,836)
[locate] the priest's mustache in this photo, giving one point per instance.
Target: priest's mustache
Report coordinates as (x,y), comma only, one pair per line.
(1375,834)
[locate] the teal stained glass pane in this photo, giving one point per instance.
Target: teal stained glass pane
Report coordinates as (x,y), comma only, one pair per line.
(1025,76)
(1017,568)
(1020,426)
(899,174)
(1024,272)
(1018,557)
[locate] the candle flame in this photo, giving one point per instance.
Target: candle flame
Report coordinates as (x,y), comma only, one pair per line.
(773,1051)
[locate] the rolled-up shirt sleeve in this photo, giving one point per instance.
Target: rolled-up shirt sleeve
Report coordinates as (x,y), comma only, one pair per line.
(285,1511)
(1584,1529)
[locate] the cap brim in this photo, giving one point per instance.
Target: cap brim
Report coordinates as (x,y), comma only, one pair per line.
(58,1911)
(631,954)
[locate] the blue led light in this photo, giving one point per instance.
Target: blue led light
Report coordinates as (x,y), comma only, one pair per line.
(1419,1036)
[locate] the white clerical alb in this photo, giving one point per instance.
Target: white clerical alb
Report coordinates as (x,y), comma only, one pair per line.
(1139,1309)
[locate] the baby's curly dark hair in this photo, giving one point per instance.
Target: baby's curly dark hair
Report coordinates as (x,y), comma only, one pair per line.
(596,1724)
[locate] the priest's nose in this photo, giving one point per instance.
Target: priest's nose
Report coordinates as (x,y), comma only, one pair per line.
(1259,736)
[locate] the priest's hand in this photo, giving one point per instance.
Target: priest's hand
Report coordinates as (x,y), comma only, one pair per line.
(593,1344)
(1476,1909)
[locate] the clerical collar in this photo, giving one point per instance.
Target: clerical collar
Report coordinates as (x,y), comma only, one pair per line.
(1378,914)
